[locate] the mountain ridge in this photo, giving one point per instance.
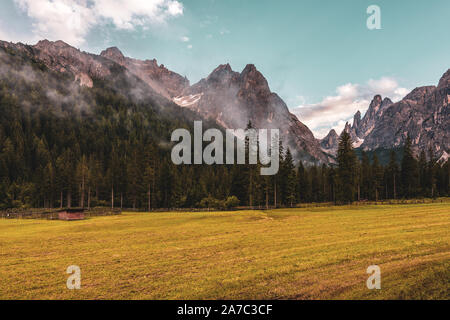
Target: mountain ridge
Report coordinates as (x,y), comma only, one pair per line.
(423,114)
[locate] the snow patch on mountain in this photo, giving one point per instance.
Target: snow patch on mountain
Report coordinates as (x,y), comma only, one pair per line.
(189,100)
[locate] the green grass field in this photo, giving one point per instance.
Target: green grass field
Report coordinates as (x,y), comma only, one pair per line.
(311,253)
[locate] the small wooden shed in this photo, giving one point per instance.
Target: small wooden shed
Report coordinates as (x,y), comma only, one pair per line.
(71,214)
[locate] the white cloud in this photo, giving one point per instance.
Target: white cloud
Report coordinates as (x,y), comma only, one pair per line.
(334,111)
(185,39)
(190,46)
(71,20)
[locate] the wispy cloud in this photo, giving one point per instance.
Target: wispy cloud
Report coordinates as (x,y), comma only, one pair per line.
(185,39)
(335,111)
(71,20)
(224,31)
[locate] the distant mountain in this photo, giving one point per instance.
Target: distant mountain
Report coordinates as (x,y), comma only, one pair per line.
(423,115)
(330,143)
(360,127)
(233,99)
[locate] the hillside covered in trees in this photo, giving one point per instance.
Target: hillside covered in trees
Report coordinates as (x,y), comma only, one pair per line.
(65,145)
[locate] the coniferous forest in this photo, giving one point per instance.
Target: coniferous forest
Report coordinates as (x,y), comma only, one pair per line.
(62,145)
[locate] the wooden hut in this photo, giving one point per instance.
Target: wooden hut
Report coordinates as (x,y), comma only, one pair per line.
(71,214)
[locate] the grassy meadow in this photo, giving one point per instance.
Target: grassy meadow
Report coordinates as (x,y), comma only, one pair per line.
(307,253)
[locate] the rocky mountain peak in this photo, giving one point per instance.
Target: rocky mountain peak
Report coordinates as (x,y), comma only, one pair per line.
(348,127)
(223,73)
(114,54)
(377,99)
(357,119)
(252,75)
(386,102)
(222,68)
(330,142)
(374,105)
(45,44)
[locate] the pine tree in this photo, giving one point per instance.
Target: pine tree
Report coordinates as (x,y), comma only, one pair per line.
(424,180)
(409,171)
(392,172)
(302,184)
(289,168)
(430,171)
(346,174)
(377,175)
(366,176)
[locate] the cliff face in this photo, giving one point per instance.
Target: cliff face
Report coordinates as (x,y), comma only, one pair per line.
(233,99)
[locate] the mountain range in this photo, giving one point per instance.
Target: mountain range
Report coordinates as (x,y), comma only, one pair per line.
(233,99)
(423,115)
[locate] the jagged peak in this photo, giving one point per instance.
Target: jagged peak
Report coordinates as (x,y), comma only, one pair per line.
(220,72)
(250,71)
(222,67)
(249,68)
(387,101)
(112,52)
(332,133)
(47,43)
(377,98)
(252,75)
(347,127)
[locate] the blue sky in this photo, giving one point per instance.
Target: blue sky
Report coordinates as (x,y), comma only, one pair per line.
(319,56)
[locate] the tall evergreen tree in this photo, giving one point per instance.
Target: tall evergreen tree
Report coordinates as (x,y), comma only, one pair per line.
(409,172)
(346,174)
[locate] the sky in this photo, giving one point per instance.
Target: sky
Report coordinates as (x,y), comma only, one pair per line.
(318,55)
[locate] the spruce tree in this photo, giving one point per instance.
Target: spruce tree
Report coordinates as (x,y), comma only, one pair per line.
(346,174)
(409,171)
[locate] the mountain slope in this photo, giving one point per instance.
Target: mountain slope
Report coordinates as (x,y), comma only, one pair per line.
(233,99)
